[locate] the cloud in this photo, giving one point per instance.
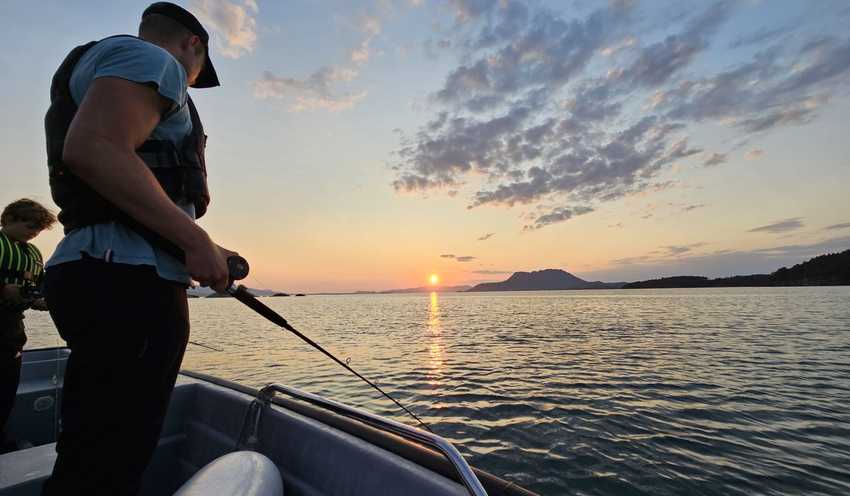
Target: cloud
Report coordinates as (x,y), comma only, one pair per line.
(771,90)
(541,110)
(619,163)
(314,92)
(433,49)
(809,250)
(688,208)
(658,62)
(459,258)
(634,260)
(795,114)
(537,54)
(759,37)
(531,49)
(370,26)
(781,226)
(466,10)
(492,272)
(559,214)
(486,237)
(361,54)
(233,21)
(715,159)
(676,250)
(755,154)
(617,47)
(836,227)
(328,87)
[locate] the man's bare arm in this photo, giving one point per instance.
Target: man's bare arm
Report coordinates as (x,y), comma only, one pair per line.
(114,119)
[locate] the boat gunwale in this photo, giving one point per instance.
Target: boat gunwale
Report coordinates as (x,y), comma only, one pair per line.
(414,452)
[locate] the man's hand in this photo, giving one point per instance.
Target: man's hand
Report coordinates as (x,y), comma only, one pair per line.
(227,253)
(207,263)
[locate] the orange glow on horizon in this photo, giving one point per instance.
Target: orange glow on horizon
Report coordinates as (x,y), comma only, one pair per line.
(434,279)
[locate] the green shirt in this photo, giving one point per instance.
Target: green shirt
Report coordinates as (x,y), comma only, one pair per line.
(20,263)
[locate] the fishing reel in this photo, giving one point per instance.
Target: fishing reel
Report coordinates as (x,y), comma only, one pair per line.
(28,294)
(237,268)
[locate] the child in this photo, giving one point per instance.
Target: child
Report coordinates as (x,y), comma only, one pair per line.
(21,269)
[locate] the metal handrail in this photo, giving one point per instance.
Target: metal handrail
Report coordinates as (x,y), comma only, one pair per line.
(467,475)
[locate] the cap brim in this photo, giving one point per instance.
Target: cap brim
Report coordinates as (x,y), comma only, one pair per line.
(208,77)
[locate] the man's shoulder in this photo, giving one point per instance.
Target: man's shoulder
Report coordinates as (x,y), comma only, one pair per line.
(130,47)
(133,59)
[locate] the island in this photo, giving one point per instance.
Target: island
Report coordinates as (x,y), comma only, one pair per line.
(546,279)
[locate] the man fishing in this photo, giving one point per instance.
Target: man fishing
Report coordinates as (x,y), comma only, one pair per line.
(21,271)
(126,157)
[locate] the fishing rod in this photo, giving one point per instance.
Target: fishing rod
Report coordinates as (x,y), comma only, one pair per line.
(202,345)
(238,269)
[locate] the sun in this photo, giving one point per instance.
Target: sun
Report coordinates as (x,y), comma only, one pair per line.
(434,279)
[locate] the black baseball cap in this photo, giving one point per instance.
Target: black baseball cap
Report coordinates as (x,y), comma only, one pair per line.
(207,78)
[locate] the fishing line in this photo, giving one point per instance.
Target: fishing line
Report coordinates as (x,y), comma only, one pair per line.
(202,345)
(238,268)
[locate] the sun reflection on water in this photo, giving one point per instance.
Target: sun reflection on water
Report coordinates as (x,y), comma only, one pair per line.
(435,345)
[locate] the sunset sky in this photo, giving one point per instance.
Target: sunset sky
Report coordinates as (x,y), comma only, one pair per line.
(368,145)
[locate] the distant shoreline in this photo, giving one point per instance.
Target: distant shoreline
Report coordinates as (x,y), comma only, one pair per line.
(821,271)
(385,293)
(632,289)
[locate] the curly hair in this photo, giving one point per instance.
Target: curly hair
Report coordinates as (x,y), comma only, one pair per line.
(26,210)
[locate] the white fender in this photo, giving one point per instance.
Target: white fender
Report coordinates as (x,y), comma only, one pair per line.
(241,473)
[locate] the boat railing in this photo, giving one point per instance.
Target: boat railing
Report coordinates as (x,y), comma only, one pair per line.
(431,440)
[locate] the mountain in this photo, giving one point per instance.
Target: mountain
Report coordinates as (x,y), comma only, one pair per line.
(421,289)
(202,292)
(824,270)
(199,292)
(543,280)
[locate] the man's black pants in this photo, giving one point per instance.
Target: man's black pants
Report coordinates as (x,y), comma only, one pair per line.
(127,330)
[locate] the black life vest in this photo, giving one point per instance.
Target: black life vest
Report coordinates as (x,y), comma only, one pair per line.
(181,171)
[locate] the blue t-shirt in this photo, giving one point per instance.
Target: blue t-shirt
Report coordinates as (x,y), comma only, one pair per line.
(135,60)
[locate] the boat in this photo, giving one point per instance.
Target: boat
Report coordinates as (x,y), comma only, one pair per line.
(223,438)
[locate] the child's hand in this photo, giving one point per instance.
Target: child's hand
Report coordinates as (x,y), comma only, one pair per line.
(11,295)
